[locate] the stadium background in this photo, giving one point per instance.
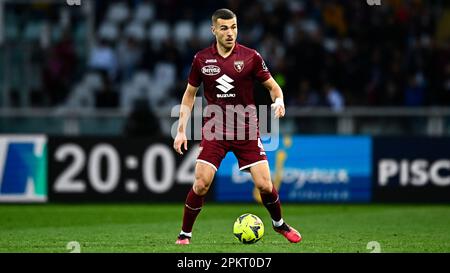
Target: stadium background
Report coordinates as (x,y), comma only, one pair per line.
(86,93)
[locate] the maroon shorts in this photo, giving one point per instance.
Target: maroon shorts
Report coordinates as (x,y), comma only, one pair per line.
(247,152)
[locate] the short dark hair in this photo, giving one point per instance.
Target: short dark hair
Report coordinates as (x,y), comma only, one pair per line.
(225,14)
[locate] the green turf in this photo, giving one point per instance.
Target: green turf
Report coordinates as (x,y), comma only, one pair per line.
(153,228)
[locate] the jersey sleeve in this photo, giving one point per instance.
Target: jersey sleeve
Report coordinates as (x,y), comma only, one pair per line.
(195,76)
(260,69)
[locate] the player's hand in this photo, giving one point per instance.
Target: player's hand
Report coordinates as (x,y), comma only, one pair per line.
(278,107)
(180,140)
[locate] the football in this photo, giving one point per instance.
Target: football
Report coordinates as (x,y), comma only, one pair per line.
(248,228)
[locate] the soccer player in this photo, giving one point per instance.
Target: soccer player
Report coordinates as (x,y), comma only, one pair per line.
(227,70)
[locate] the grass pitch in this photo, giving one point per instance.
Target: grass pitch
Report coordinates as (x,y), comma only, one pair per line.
(154,227)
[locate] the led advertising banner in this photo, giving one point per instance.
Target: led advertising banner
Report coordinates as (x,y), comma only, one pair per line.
(23,168)
(306,169)
(411,170)
(102,169)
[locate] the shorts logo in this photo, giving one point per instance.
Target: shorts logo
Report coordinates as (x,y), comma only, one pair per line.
(211,70)
(261,147)
(238,66)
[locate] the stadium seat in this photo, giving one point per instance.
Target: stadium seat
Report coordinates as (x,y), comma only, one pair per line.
(118,12)
(137,88)
(143,82)
(80,37)
(80,33)
(93,81)
(310,26)
(330,44)
(108,31)
(183,31)
(11,32)
(142,79)
(158,32)
(56,32)
(165,74)
(144,13)
(83,94)
(204,32)
(11,27)
(142,86)
(81,97)
(129,93)
(32,31)
(135,30)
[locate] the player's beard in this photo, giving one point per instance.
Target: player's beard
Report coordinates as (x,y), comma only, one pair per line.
(227,45)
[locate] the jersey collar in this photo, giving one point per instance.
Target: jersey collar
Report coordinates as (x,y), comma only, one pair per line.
(215,51)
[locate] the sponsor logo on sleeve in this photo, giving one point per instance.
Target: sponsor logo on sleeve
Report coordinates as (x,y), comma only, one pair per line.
(264,67)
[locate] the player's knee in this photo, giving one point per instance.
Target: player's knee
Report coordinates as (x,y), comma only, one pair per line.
(201,189)
(265,186)
(201,186)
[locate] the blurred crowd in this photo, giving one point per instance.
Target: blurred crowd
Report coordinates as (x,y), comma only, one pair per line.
(332,53)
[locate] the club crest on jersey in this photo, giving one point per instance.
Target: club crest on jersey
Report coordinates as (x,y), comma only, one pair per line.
(238,65)
(211,70)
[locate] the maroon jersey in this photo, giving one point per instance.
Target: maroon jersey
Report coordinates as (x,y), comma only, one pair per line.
(228,84)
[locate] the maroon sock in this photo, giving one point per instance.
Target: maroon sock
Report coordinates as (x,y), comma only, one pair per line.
(192,208)
(272,203)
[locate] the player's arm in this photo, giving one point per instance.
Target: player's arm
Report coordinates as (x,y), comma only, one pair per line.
(277,97)
(185,111)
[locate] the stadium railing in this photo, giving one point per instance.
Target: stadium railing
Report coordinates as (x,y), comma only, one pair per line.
(389,121)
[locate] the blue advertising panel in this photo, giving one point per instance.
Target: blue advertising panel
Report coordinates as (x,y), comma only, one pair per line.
(306,169)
